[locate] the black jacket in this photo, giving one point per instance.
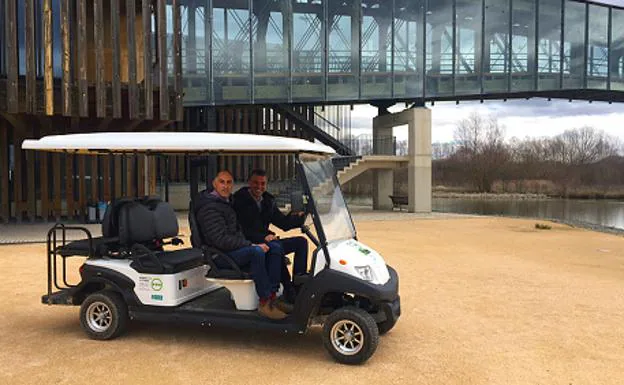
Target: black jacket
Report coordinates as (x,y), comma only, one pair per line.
(254,222)
(217,222)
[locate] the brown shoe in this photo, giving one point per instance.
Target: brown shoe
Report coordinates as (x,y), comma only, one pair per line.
(282,305)
(269,311)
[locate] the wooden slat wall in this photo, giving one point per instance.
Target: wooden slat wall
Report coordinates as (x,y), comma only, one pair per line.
(116,48)
(98,31)
(66,93)
(5,212)
(18,137)
(48,58)
(147,60)
(12,57)
(83,85)
(133,93)
(162,60)
(31,64)
(177,59)
(31,188)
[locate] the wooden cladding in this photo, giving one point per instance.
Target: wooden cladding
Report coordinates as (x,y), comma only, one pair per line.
(47,186)
(91,58)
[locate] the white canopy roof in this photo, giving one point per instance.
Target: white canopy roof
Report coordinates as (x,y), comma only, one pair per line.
(174,143)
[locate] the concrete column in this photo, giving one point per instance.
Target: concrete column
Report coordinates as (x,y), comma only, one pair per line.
(383,180)
(419,169)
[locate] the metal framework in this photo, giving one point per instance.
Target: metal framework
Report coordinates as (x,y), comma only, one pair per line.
(349,51)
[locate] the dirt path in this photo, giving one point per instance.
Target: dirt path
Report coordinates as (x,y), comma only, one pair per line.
(484,300)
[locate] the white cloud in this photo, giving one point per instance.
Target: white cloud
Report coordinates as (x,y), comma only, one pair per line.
(522,118)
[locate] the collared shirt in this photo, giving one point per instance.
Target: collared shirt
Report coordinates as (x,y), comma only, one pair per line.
(258,201)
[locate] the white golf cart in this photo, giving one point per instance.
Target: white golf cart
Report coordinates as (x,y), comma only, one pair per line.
(128,275)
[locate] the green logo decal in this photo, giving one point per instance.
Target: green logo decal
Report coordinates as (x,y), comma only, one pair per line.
(364,251)
(157,284)
(157,297)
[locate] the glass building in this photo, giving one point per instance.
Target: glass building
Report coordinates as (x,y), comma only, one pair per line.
(340,51)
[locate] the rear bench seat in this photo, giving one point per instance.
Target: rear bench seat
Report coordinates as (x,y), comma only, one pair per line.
(141,225)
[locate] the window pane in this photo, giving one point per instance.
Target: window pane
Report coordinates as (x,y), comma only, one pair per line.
(408,48)
(523,46)
(617,50)
(376,59)
(496,66)
(468,63)
(343,53)
(439,64)
(270,52)
(194,63)
(597,49)
(231,53)
(574,45)
(549,47)
(307,51)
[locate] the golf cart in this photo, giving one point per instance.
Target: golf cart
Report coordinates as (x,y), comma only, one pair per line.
(128,274)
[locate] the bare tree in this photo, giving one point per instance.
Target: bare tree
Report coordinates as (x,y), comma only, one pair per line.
(482,148)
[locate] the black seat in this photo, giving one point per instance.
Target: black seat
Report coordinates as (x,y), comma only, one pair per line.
(214,257)
(109,241)
(167,262)
(142,227)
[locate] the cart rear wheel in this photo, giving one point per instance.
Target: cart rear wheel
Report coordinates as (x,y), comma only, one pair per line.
(350,335)
(103,315)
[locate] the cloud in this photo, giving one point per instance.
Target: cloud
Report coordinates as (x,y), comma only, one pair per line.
(522,118)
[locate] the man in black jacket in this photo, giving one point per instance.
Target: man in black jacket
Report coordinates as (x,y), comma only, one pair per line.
(219,228)
(256,210)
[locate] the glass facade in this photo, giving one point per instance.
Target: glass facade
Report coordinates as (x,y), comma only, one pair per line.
(252,51)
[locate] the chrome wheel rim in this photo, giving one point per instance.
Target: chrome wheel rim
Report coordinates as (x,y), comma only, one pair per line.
(99,316)
(347,337)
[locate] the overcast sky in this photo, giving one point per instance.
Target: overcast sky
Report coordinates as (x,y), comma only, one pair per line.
(521,118)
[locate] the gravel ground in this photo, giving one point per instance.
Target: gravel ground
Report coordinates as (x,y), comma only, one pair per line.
(484,301)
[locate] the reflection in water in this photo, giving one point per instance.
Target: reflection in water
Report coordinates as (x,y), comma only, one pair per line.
(602,212)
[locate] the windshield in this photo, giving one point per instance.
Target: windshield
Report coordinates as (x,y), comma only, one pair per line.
(328,199)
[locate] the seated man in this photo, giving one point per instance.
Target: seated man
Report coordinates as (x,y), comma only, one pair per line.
(256,210)
(217,221)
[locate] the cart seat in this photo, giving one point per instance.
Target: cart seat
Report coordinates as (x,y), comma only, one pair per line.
(168,262)
(143,226)
(98,247)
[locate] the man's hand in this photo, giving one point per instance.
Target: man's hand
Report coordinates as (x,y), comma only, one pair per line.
(263,246)
(270,237)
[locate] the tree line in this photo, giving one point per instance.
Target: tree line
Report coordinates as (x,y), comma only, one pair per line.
(481,160)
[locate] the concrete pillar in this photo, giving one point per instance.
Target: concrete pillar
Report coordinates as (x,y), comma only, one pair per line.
(383,180)
(419,168)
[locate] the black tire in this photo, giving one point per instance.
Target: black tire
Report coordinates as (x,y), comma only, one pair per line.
(350,335)
(104,315)
(385,326)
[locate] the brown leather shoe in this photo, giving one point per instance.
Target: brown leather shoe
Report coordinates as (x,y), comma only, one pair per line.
(282,305)
(269,311)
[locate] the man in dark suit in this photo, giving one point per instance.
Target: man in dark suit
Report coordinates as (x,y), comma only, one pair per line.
(256,210)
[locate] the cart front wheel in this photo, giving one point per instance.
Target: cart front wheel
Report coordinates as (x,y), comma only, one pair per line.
(103,315)
(350,335)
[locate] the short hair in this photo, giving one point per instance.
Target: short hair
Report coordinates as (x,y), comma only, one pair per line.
(257,172)
(221,172)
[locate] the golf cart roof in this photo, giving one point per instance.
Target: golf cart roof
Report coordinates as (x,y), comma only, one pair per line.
(174,143)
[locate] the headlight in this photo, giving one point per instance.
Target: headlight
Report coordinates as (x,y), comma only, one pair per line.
(365,272)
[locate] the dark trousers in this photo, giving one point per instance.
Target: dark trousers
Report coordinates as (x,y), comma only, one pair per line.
(285,246)
(264,268)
